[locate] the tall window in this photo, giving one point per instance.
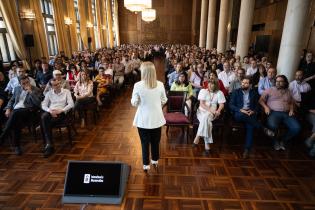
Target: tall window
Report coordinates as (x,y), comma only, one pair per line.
(48,15)
(96,33)
(6,48)
(77,14)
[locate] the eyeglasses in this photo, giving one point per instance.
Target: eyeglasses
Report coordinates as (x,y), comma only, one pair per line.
(280,81)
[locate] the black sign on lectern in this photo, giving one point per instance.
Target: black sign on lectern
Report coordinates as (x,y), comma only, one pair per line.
(95,182)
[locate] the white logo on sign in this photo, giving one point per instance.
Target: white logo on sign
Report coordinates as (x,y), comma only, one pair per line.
(86,179)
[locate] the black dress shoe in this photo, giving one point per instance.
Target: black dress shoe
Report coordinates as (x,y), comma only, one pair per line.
(49,150)
(194,145)
(18,151)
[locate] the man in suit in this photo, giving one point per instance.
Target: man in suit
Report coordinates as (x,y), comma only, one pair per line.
(25,99)
(244,106)
(14,82)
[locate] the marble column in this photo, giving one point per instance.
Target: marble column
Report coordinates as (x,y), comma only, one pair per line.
(292,34)
(193,22)
(245,27)
(229,24)
(203,23)
(211,23)
(223,19)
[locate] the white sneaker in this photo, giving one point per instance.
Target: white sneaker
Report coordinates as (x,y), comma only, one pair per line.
(155,163)
(277,146)
(282,145)
(146,167)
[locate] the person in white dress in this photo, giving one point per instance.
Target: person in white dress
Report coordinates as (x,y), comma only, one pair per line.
(211,105)
(149,96)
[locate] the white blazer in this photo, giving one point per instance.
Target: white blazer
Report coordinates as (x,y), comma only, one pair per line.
(149,113)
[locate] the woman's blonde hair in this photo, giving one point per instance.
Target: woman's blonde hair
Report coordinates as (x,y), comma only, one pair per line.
(87,79)
(148,74)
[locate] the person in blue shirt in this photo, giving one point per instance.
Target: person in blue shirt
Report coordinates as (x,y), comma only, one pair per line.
(172,77)
(268,81)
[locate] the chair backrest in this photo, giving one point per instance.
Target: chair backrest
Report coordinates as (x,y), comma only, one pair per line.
(176,101)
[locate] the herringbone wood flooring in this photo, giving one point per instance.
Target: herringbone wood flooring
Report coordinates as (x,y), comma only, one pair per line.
(185,180)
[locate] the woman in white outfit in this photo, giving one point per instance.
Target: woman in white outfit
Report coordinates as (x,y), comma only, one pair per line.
(149,96)
(211,104)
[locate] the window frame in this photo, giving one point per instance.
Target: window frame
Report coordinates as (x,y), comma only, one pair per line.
(47,13)
(5,33)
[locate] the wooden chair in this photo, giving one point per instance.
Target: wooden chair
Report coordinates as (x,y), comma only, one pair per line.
(175,115)
(68,123)
(91,107)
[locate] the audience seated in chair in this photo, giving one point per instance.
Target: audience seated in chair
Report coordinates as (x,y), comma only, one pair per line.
(298,86)
(102,84)
(244,107)
(236,83)
(83,92)
(182,84)
(211,105)
(43,76)
(252,69)
(57,75)
(260,74)
(20,108)
(172,77)
(58,101)
(213,76)
(308,109)
(278,105)
(227,76)
(268,81)
(72,76)
(119,70)
(197,79)
(307,65)
(14,82)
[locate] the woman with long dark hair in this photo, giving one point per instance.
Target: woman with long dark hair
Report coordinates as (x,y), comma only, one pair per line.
(182,84)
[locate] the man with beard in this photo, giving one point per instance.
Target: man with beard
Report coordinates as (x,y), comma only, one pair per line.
(298,87)
(244,106)
(268,81)
(236,84)
(278,105)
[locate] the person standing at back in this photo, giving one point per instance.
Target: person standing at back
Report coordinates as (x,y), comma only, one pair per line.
(149,96)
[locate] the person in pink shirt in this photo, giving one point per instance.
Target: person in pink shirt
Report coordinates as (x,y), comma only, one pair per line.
(278,105)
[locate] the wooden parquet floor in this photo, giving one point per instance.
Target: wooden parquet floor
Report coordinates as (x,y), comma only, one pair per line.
(186,180)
